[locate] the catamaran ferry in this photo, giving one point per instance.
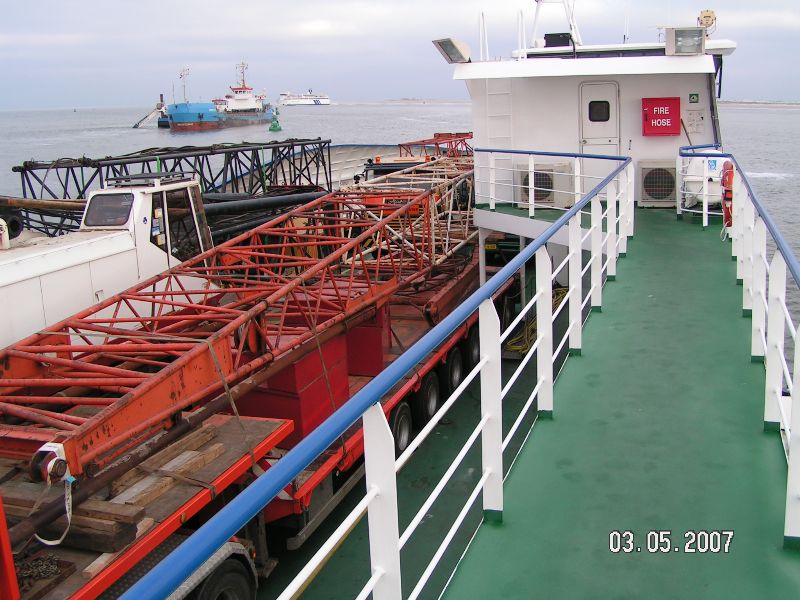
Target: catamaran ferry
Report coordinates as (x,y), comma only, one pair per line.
(309,99)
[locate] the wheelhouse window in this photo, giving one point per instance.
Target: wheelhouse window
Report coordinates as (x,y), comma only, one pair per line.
(108,210)
(599,111)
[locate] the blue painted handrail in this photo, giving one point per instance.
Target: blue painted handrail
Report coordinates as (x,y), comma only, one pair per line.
(780,242)
(167,575)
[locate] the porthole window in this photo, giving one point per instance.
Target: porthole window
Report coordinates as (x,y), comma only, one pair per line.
(599,111)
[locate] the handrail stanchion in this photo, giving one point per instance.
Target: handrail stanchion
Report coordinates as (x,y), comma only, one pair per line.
(622,203)
(597,253)
(492,181)
(739,200)
(531,185)
(577,180)
(491,404)
(384,531)
(791,523)
(759,286)
(679,183)
(575,285)
(544,330)
(748,225)
(483,235)
(629,173)
(776,329)
(611,229)
(706,177)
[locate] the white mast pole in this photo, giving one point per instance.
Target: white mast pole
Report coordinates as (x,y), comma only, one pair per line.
(536,23)
(484,41)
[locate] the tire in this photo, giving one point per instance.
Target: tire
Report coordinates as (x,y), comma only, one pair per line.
(471,348)
(401,426)
(425,401)
(451,371)
(229,581)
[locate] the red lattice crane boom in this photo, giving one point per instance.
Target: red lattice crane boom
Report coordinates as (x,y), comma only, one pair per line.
(109,378)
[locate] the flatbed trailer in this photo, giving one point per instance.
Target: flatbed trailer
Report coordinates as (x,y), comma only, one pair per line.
(279,326)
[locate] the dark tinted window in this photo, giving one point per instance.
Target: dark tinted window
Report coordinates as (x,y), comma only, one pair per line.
(108,210)
(599,110)
(183,239)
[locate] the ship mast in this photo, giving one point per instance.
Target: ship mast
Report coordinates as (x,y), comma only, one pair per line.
(241,68)
(184,75)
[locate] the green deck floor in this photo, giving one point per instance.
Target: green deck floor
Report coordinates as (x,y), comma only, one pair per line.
(657,426)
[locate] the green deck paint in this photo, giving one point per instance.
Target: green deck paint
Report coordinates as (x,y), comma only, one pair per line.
(659,428)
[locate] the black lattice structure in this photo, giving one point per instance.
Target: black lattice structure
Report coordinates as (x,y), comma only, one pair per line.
(250,168)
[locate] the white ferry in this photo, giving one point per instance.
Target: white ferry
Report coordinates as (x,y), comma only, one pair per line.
(309,99)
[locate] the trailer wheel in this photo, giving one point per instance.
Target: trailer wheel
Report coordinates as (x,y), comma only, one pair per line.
(425,401)
(230,581)
(472,347)
(451,371)
(400,424)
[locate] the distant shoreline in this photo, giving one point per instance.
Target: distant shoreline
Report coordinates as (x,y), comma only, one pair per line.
(764,103)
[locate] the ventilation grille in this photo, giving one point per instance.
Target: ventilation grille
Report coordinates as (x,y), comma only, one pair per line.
(657,183)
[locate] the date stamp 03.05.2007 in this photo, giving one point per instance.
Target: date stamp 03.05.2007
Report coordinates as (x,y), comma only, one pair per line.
(717,541)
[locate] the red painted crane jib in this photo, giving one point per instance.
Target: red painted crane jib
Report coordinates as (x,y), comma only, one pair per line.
(119,371)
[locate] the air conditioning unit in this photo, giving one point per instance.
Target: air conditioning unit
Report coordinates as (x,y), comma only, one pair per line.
(656,183)
(554,185)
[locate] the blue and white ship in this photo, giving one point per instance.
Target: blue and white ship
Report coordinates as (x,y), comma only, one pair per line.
(240,107)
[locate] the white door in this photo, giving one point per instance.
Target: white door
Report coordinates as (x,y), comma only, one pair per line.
(599,128)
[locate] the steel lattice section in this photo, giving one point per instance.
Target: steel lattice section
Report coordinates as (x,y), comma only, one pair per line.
(123,368)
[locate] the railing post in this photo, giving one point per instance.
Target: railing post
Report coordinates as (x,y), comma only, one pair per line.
(491,404)
(631,199)
(544,330)
(577,180)
(776,329)
(483,235)
(759,286)
(384,533)
(611,229)
(791,524)
(679,183)
(623,214)
(492,180)
(739,200)
(597,254)
(531,184)
(705,193)
(748,225)
(575,285)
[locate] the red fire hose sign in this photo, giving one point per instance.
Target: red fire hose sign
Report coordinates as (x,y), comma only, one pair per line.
(661,116)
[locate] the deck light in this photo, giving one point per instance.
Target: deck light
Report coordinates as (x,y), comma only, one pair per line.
(685,41)
(453,50)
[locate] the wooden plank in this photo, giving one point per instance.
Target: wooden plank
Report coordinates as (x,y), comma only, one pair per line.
(151,487)
(102,561)
(91,539)
(191,441)
(77,520)
(25,494)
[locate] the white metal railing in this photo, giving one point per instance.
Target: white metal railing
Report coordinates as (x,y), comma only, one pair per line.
(762,271)
(699,180)
(602,241)
(609,230)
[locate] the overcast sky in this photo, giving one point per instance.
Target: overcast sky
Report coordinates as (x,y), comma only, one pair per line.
(80,53)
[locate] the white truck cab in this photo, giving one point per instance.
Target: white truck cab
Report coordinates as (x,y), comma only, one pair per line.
(135,227)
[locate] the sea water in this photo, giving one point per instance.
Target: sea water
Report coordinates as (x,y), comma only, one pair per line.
(762,136)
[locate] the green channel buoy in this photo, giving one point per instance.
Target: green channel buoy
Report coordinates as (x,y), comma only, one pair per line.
(275,125)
